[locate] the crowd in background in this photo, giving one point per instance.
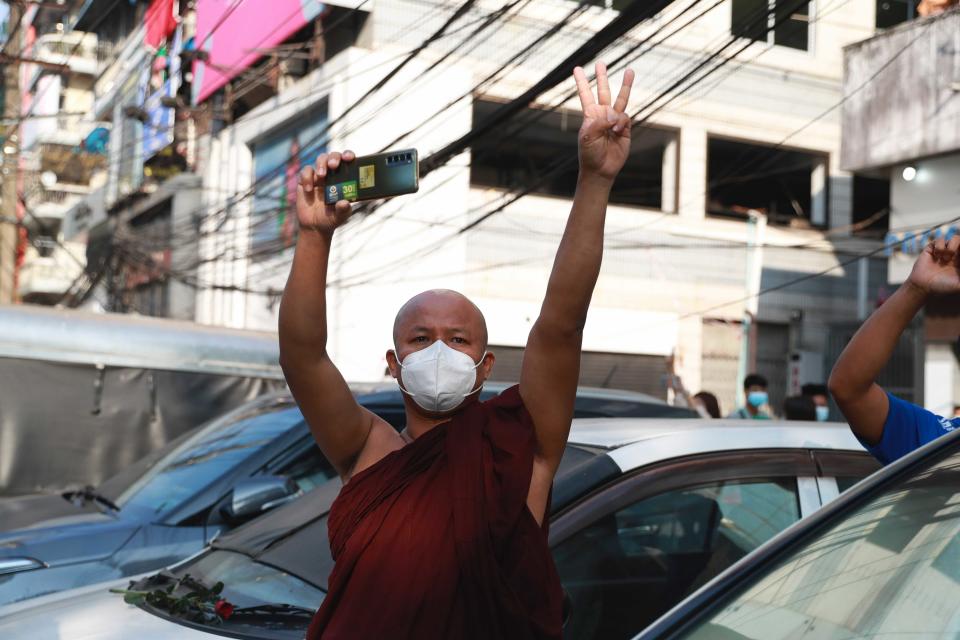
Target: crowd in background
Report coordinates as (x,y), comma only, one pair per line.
(811,405)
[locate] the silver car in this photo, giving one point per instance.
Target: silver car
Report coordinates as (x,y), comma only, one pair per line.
(645,511)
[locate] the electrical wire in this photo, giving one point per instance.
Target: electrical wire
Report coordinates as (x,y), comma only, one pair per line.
(641,43)
(270,174)
(562,164)
(42,92)
(646,40)
(764,18)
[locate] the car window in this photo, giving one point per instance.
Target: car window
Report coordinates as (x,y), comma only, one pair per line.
(887,569)
(204,458)
(310,469)
(845,482)
(629,567)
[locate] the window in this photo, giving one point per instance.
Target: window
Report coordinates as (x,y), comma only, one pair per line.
(887,569)
(845,482)
(277,161)
(629,567)
(789,186)
(871,206)
(893,12)
(310,469)
(204,459)
(616,5)
(535,148)
(769,21)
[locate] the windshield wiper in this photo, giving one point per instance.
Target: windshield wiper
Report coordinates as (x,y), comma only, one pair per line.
(285,610)
(89,494)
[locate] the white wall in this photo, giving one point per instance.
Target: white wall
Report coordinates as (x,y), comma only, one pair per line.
(927,201)
(647,298)
(940,376)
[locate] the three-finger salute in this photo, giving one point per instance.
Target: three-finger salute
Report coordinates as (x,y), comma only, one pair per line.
(605,133)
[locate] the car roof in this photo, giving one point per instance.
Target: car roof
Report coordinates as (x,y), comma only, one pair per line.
(612,433)
(597,393)
(702,601)
(635,442)
(601,449)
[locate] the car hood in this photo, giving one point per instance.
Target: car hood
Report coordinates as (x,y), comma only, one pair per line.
(55,531)
(89,613)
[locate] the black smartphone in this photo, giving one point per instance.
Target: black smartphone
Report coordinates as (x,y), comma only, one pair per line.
(382,175)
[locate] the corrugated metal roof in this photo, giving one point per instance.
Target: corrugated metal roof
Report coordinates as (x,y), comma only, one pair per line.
(117,340)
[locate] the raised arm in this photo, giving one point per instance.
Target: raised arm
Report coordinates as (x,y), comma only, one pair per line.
(551,363)
(853,380)
(338,423)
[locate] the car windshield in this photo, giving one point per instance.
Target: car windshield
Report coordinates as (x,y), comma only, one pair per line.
(204,457)
(267,602)
(248,583)
(888,569)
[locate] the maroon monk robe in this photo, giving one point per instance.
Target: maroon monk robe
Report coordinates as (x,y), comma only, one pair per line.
(436,541)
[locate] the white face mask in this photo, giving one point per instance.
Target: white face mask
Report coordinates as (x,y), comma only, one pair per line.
(439,378)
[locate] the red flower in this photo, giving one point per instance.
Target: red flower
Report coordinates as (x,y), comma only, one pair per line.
(223,609)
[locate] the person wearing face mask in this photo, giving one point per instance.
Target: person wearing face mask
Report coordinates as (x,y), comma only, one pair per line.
(440,531)
(818,393)
(755,391)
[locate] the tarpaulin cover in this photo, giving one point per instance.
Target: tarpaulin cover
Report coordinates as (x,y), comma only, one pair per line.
(64,425)
(236,34)
(160,21)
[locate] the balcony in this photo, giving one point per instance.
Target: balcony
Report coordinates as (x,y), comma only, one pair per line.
(75,49)
(129,58)
(68,130)
(901,92)
(47,273)
(49,204)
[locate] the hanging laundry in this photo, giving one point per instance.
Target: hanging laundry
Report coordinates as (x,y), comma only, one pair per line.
(160,21)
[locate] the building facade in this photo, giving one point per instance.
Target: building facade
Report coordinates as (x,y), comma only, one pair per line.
(734,234)
(904,126)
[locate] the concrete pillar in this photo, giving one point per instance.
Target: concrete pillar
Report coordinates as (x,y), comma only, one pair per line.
(818,193)
(689,354)
(693,173)
(669,184)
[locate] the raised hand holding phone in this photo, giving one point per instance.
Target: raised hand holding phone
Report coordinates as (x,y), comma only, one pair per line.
(313,213)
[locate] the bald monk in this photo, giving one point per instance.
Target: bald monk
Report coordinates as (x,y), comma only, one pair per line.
(440,531)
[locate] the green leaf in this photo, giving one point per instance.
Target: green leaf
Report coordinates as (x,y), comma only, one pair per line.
(133,597)
(217,588)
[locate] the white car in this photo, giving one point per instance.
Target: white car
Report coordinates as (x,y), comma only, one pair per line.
(644,512)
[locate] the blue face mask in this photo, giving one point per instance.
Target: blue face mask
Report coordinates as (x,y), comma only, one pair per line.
(757,399)
(823,414)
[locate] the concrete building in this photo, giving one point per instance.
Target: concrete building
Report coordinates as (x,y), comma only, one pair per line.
(734,186)
(55,169)
(905,127)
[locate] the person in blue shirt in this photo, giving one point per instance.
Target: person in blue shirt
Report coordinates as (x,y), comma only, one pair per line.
(890,427)
(755,393)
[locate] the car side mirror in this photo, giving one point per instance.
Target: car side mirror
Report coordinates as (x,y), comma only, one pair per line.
(253,496)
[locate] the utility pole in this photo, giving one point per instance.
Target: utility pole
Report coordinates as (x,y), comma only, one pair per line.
(756,231)
(9,168)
